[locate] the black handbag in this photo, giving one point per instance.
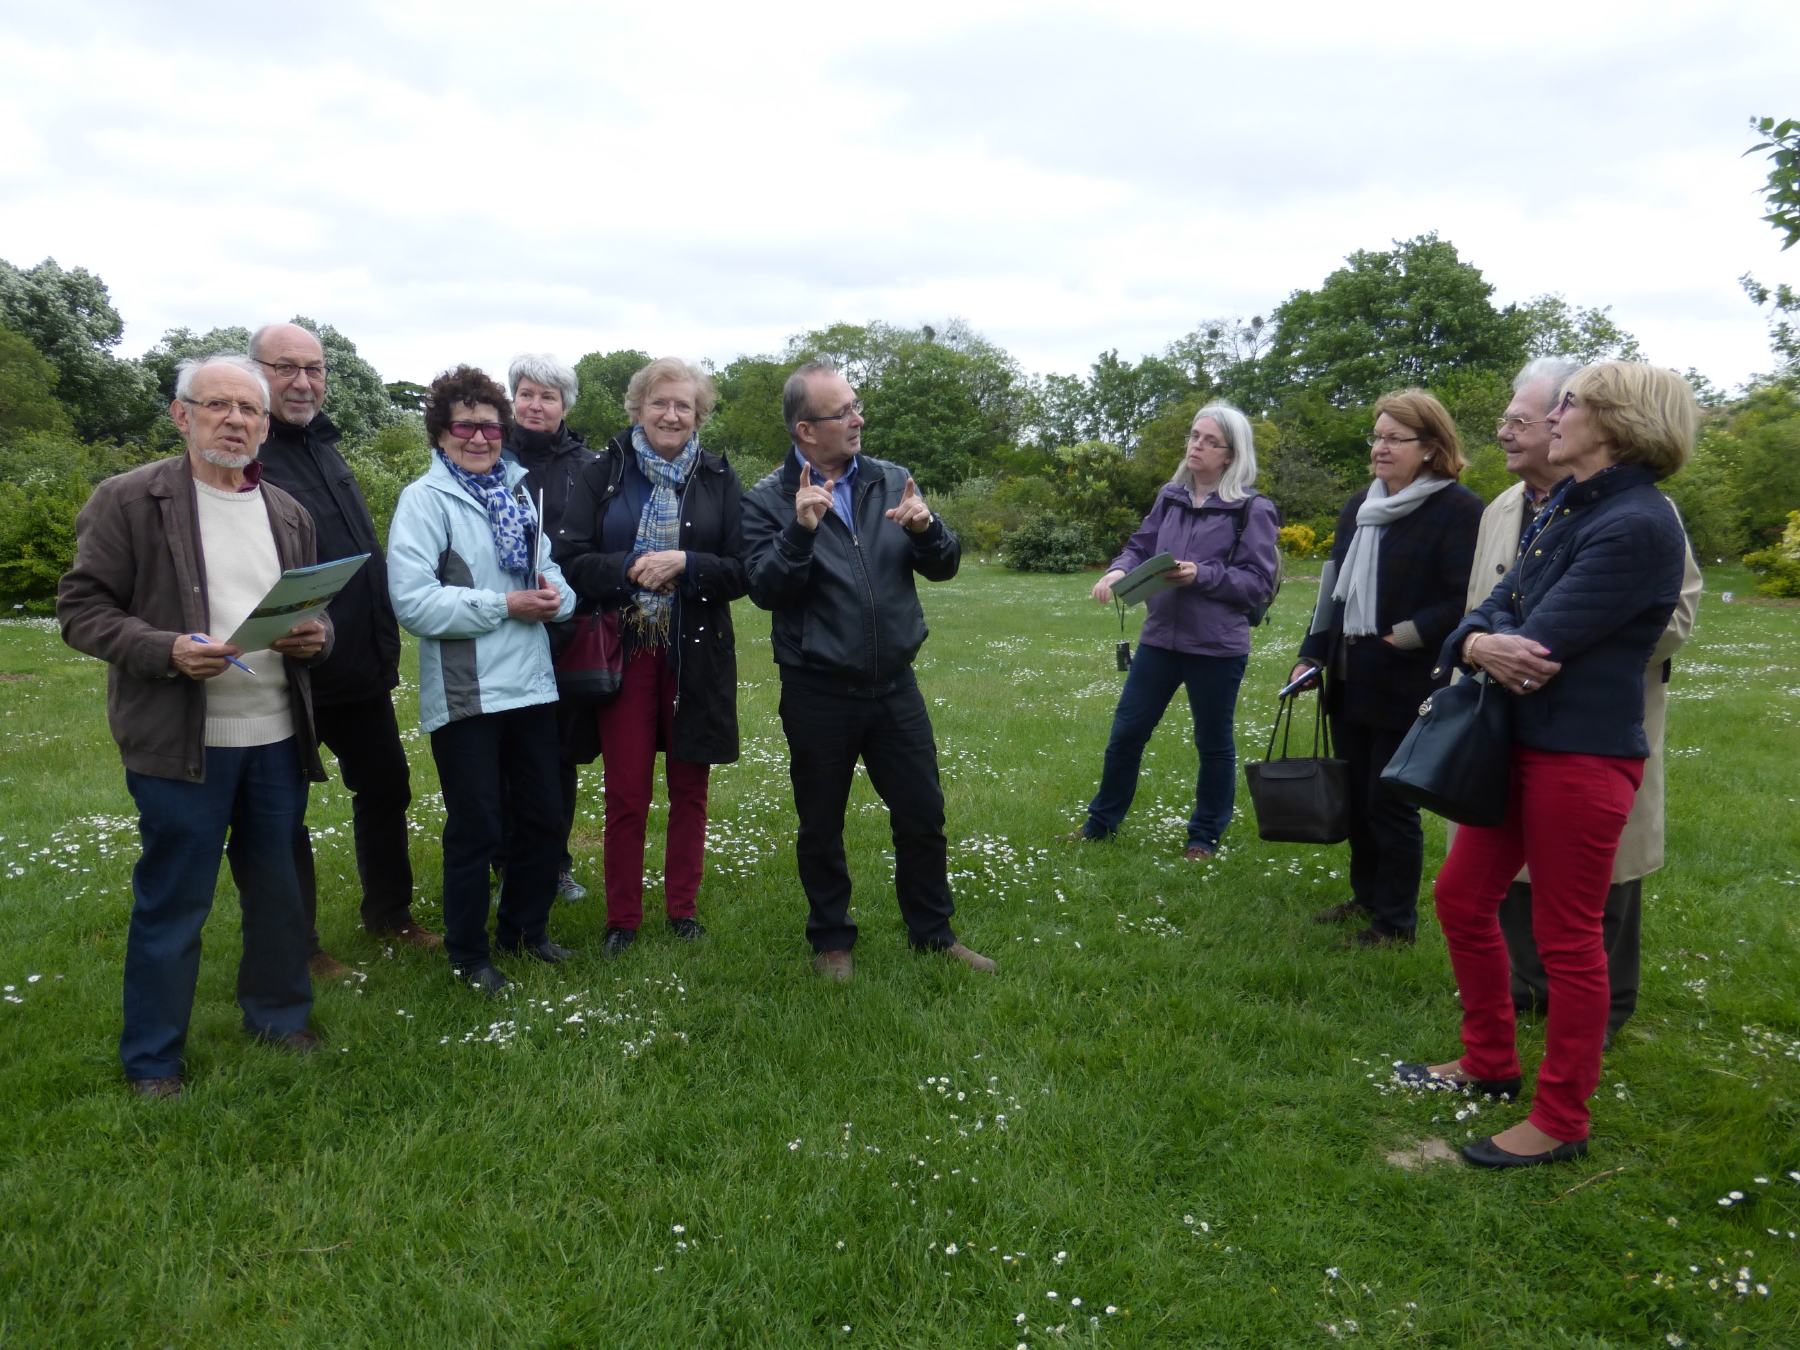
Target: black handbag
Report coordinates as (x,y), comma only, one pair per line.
(1301,799)
(1456,761)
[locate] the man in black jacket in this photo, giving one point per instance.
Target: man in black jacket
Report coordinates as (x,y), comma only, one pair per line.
(352,688)
(543,391)
(831,542)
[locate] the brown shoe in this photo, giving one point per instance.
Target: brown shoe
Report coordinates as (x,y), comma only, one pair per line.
(834,966)
(1197,854)
(156,1087)
(325,966)
(1368,937)
(1350,909)
(413,935)
(296,1042)
(973,960)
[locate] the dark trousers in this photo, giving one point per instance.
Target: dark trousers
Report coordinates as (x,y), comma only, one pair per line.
(891,734)
(246,809)
(1387,843)
(1621,925)
(475,756)
(1212,690)
(365,737)
(568,783)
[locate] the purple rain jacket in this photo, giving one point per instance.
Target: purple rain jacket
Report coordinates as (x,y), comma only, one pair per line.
(1206,618)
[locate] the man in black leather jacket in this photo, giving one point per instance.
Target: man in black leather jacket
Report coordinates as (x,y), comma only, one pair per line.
(352,688)
(831,542)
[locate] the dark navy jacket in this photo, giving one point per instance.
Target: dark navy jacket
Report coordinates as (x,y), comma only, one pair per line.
(1597,588)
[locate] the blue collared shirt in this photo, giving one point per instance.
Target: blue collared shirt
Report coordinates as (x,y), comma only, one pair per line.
(841,500)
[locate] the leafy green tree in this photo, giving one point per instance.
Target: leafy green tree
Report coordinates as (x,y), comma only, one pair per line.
(407,396)
(1116,399)
(1407,317)
(27,388)
(1782,192)
(599,412)
(1554,327)
(386,463)
(746,427)
(69,318)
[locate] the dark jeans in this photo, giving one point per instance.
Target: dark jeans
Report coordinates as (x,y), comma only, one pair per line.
(246,809)
(475,756)
(365,737)
(1620,928)
(826,734)
(568,783)
(1387,843)
(1212,690)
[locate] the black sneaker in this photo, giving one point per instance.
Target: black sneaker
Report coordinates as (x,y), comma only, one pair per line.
(689,929)
(546,951)
(483,979)
(617,940)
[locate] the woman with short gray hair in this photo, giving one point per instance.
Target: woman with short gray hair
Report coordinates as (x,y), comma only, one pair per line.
(1222,534)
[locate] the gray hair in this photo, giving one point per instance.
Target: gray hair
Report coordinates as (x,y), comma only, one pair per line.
(186,369)
(1556,369)
(1240,474)
(670,369)
(543,368)
(794,406)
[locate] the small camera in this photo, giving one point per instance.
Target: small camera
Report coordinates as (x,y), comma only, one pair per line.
(1123,653)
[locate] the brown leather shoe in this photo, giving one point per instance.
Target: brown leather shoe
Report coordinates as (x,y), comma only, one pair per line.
(156,1087)
(834,966)
(297,1042)
(325,966)
(973,960)
(414,935)
(1368,937)
(1197,854)
(1350,909)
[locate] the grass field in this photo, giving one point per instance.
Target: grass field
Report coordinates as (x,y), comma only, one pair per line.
(1159,1125)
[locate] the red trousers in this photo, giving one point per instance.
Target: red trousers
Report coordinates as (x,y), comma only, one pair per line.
(1564,820)
(631,727)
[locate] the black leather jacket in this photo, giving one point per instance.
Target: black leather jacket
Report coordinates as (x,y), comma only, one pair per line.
(846,611)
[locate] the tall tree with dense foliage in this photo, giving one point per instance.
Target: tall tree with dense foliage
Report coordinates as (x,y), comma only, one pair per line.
(599,413)
(70,319)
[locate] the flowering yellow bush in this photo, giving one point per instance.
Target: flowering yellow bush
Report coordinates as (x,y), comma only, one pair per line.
(1297,541)
(1780,564)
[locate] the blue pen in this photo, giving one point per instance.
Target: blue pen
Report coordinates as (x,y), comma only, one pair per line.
(204,641)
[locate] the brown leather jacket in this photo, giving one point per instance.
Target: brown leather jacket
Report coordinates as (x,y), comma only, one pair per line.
(139,582)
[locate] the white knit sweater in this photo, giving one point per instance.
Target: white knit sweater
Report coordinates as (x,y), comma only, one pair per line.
(241,566)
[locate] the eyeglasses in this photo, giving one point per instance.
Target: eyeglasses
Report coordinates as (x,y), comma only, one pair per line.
(659,406)
(222,407)
(287,369)
(1517,423)
(1568,401)
(855,407)
(1207,443)
(468,431)
(1392,440)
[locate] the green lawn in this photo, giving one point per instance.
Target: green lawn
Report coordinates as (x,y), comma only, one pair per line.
(1159,1125)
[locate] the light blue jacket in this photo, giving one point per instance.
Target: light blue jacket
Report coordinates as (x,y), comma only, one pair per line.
(449,590)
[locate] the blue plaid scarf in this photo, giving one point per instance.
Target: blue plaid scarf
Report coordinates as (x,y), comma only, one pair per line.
(508,517)
(659,528)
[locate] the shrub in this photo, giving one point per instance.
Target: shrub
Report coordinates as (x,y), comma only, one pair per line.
(385,463)
(1047,544)
(1297,541)
(1781,563)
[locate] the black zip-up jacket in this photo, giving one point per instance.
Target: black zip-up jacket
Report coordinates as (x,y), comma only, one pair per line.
(304,463)
(594,545)
(553,463)
(846,612)
(1597,588)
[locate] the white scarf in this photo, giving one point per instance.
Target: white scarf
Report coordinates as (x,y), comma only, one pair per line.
(1356,583)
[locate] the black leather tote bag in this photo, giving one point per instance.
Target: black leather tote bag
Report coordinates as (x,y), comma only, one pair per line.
(1300,799)
(1456,761)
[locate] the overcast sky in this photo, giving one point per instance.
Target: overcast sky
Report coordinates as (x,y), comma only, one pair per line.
(447,180)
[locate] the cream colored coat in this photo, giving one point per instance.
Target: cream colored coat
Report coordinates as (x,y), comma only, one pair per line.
(1641,846)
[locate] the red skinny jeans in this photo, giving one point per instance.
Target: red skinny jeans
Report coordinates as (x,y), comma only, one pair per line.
(1564,820)
(632,727)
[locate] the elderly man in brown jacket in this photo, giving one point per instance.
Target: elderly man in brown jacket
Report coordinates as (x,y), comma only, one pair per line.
(218,743)
(1525,437)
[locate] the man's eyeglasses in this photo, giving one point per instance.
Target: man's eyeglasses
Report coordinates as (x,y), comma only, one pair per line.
(1392,440)
(287,369)
(855,407)
(1517,423)
(468,431)
(222,407)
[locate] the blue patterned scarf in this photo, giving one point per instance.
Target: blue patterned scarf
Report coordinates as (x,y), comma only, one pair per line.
(508,517)
(659,528)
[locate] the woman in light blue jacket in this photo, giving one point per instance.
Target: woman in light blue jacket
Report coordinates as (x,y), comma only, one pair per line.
(471,576)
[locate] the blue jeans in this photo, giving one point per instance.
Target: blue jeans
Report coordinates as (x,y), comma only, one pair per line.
(249,807)
(1212,687)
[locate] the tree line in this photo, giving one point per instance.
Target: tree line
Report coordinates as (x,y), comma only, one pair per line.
(1048,471)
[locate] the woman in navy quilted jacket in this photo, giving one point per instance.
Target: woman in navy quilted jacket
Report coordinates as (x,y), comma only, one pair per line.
(1569,631)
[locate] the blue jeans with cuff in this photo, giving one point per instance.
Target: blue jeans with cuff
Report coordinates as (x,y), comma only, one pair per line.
(1212,688)
(249,807)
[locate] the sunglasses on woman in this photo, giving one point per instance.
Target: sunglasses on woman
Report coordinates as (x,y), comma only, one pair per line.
(468,431)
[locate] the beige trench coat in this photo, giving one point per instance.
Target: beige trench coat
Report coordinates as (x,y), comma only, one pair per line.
(1641,846)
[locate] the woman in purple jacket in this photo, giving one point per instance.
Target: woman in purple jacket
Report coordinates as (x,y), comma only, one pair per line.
(1222,535)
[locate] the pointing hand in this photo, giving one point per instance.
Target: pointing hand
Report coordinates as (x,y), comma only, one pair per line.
(912,511)
(812,500)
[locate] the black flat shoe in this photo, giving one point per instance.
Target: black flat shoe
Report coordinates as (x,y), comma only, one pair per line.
(1420,1075)
(546,951)
(483,979)
(688,929)
(1486,1153)
(616,941)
